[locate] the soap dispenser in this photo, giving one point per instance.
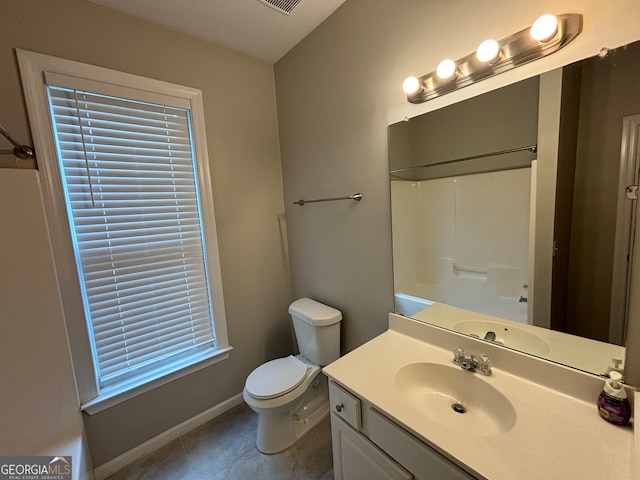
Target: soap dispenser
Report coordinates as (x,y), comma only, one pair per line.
(613,404)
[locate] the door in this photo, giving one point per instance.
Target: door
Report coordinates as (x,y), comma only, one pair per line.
(629,164)
(356,458)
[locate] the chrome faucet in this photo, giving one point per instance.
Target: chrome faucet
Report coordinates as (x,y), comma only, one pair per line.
(482,364)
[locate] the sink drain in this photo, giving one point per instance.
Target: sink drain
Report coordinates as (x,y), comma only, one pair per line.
(458,408)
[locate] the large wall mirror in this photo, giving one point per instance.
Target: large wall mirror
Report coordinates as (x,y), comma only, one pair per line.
(514,205)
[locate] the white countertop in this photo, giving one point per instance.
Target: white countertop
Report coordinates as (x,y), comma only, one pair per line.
(556,436)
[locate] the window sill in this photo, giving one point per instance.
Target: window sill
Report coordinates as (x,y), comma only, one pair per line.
(113,395)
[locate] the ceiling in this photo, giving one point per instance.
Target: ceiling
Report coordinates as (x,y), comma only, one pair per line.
(249,26)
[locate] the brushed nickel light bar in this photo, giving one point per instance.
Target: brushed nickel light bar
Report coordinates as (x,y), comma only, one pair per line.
(547,35)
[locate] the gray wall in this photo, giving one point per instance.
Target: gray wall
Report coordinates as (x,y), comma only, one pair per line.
(34,358)
(242,136)
(339,89)
(333,143)
(609,92)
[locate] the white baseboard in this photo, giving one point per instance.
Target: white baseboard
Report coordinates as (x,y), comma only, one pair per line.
(103,471)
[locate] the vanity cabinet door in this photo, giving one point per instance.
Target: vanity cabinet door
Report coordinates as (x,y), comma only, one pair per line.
(420,459)
(356,458)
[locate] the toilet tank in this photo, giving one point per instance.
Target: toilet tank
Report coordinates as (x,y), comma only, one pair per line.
(317,328)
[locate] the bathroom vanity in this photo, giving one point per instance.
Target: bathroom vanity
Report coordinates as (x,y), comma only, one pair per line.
(401,409)
(368,444)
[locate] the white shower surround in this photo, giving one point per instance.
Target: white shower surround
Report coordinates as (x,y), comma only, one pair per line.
(464,241)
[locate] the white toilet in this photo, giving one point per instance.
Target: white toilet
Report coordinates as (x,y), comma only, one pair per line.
(290,394)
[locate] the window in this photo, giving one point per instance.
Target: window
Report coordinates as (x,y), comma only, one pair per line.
(126,164)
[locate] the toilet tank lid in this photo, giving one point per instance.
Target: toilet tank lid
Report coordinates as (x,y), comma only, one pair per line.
(315,313)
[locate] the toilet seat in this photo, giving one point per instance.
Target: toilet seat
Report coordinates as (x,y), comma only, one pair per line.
(276,378)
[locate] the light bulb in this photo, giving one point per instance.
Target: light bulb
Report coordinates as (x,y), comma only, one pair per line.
(488,51)
(446,69)
(544,27)
(411,85)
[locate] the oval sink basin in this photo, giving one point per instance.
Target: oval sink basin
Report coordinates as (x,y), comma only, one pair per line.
(506,335)
(455,398)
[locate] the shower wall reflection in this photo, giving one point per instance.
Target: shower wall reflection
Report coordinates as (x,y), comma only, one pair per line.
(464,241)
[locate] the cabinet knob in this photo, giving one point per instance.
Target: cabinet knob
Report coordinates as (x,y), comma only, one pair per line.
(339,407)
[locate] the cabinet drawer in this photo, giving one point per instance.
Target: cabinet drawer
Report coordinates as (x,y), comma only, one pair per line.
(344,405)
(410,452)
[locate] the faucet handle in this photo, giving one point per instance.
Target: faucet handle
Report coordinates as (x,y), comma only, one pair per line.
(458,354)
(484,364)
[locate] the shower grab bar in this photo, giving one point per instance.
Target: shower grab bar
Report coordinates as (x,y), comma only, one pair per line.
(530,148)
(465,268)
(356,196)
(20,151)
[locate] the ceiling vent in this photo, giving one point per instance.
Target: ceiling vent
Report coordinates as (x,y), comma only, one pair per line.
(283,6)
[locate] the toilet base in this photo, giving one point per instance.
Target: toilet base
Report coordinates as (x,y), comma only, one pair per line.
(277,431)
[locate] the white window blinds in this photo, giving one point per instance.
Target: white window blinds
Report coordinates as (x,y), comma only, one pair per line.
(129,175)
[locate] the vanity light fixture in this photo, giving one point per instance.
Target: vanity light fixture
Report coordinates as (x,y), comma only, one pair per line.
(547,35)
(544,27)
(411,85)
(447,70)
(489,51)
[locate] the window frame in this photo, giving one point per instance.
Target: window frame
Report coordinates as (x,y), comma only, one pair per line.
(34,67)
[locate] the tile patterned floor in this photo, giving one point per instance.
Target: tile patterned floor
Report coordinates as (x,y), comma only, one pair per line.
(225,449)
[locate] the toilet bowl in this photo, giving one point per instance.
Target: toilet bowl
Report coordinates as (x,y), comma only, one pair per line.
(285,416)
(290,394)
